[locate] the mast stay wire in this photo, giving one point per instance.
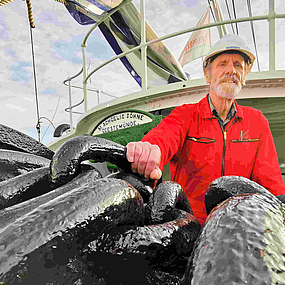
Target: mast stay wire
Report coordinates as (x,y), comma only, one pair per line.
(38,126)
(253,34)
(211,10)
(234,9)
(51,121)
(32,26)
(226,1)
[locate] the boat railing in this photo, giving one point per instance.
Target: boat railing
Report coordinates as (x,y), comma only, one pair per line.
(270,17)
(69,109)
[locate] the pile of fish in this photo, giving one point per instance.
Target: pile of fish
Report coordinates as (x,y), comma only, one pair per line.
(62,223)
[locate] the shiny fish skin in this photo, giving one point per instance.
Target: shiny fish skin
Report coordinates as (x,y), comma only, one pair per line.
(242,242)
(55,231)
(65,164)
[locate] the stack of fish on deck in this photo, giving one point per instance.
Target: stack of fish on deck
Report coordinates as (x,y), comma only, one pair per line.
(61,222)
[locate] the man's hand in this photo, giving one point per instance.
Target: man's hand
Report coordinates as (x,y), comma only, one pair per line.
(145,159)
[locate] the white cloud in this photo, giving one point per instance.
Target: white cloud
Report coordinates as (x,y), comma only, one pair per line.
(57,40)
(10,107)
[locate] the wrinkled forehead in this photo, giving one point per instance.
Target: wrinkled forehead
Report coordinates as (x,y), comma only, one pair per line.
(228,56)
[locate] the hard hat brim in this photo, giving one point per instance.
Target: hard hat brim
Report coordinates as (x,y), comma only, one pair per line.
(230,42)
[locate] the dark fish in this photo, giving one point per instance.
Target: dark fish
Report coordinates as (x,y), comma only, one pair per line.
(45,238)
(14,163)
(242,242)
(65,163)
(14,140)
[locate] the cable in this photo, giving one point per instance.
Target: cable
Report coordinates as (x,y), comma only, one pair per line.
(229,15)
(234,9)
(212,11)
(30,13)
(51,118)
(50,122)
(253,34)
(38,127)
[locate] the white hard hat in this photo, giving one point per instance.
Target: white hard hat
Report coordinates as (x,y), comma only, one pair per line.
(230,42)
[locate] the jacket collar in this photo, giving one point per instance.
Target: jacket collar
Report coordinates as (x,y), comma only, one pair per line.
(205,111)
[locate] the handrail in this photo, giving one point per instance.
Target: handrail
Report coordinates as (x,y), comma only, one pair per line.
(246,19)
(104,17)
(69,109)
(270,17)
(83,69)
(83,45)
(70,78)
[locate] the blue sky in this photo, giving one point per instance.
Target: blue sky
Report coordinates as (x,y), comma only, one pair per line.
(58,38)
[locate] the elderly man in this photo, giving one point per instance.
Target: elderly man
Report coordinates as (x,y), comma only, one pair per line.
(215,137)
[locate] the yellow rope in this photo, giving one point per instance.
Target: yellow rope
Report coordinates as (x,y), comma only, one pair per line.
(4,2)
(30,13)
(62,1)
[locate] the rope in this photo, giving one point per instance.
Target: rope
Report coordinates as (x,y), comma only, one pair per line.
(229,15)
(253,34)
(62,1)
(30,13)
(235,14)
(38,126)
(32,25)
(212,11)
(4,2)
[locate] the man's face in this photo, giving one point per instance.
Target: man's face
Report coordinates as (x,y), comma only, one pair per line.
(227,75)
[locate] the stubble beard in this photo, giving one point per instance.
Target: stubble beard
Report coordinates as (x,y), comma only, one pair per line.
(228,91)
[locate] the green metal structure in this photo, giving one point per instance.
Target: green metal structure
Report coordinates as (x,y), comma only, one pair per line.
(264,90)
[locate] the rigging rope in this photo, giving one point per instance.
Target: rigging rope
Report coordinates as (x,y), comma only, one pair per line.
(30,13)
(62,1)
(212,10)
(4,2)
(253,34)
(229,15)
(32,25)
(234,9)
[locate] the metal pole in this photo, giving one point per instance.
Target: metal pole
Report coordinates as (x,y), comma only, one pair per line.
(84,77)
(271,20)
(98,95)
(143,49)
(247,19)
(70,105)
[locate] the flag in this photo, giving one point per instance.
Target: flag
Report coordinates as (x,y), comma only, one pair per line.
(199,43)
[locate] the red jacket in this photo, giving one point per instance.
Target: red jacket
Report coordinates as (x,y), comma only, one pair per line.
(199,151)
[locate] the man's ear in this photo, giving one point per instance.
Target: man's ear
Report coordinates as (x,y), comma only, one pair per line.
(208,75)
(246,71)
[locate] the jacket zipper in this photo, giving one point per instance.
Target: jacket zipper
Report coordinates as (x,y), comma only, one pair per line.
(225,143)
(224,152)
